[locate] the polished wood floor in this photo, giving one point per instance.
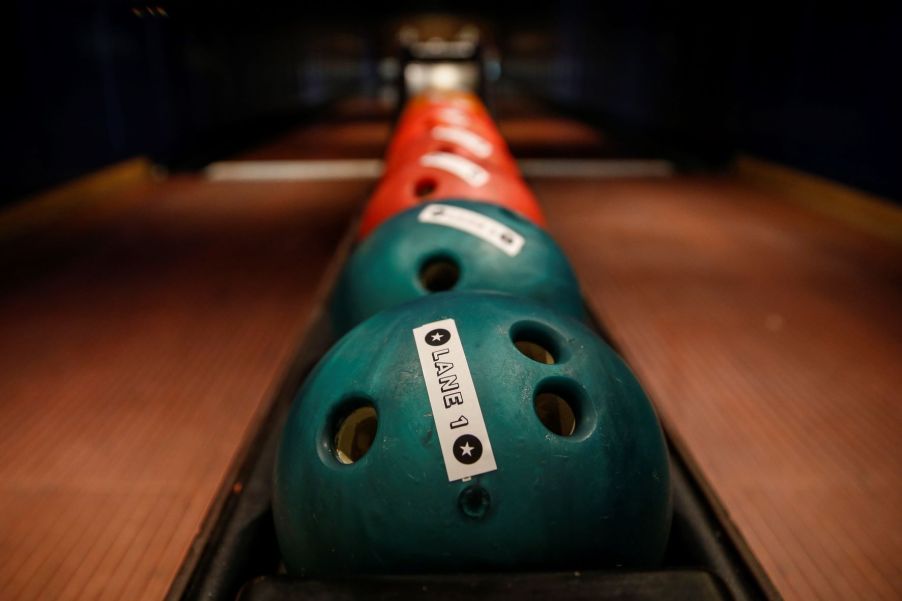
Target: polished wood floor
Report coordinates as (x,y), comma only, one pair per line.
(136,352)
(770,340)
(142,334)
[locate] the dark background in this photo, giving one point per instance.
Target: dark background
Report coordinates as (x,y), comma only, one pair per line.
(804,84)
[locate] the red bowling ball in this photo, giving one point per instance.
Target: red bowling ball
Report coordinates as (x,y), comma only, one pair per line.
(450,109)
(440,175)
(488,152)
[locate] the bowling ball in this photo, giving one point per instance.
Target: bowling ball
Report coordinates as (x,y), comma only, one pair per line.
(457,245)
(432,97)
(459,110)
(470,431)
(452,107)
(455,140)
(443,175)
(412,128)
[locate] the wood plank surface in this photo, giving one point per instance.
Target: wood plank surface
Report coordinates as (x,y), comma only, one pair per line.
(143,332)
(770,339)
(138,345)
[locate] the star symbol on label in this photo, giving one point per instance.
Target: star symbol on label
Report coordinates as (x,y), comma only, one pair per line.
(437,337)
(467,449)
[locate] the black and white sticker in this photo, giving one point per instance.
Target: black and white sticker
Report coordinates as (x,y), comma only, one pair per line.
(457,165)
(472,142)
(461,430)
(454,116)
(475,224)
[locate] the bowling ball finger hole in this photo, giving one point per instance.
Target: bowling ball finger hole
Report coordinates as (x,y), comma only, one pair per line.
(355,432)
(439,274)
(535,351)
(535,342)
(424,187)
(559,410)
(474,502)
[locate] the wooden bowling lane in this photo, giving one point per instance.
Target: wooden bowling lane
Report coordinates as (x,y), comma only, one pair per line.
(360,129)
(145,325)
(143,329)
(770,339)
(355,128)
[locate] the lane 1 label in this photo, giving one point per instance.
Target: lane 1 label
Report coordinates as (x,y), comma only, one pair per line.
(475,224)
(474,143)
(461,430)
(465,169)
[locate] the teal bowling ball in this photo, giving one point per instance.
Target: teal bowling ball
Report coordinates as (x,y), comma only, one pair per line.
(470,431)
(453,245)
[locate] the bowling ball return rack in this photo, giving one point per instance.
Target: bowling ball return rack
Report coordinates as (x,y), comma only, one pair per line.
(235,554)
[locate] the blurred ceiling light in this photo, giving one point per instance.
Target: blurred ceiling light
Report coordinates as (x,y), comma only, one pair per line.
(149,11)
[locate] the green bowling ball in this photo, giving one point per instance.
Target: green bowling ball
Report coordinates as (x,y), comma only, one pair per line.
(470,431)
(453,245)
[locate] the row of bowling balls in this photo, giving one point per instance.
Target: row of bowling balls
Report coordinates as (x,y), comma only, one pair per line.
(468,418)
(447,146)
